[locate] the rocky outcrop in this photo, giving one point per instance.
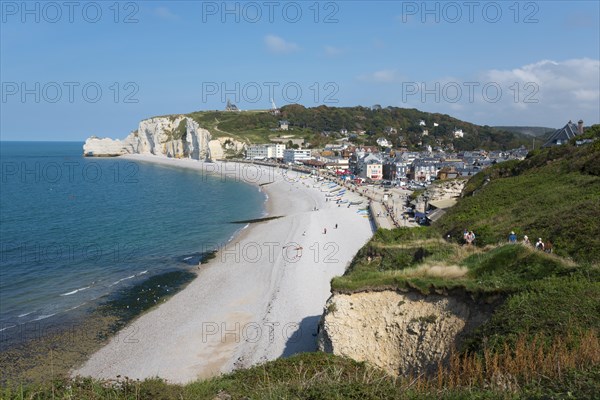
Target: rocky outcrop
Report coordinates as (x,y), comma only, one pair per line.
(401,333)
(177,137)
(218,147)
(446,189)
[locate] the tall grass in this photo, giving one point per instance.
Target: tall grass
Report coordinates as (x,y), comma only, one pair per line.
(528,362)
(509,373)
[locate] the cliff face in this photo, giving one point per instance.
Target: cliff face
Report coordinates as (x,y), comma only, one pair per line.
(178,137)
(218,147)
(401,333)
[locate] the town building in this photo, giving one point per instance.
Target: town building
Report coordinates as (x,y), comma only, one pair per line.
(296,155)
(284,125)
(261,151)
(566,133)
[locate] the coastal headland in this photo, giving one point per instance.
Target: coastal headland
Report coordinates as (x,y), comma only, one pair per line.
(259,299)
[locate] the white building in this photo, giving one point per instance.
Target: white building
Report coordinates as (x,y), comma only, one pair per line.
(458,133)
(260,151)
(422,123)
(296,155)
(336,162)
(383,142)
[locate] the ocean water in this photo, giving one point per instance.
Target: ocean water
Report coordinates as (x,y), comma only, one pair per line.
(75,230)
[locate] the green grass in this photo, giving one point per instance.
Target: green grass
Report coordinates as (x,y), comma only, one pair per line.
(306,376)
(403,259)
(554,194)
(554,307)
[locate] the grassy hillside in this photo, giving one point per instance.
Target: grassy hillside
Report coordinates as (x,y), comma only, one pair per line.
(553,194)
(310,123)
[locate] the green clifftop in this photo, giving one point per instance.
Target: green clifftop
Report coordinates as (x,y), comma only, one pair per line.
(400,125)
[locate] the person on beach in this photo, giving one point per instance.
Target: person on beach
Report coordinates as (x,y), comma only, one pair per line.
(512,238)
(335,226)
(324,231)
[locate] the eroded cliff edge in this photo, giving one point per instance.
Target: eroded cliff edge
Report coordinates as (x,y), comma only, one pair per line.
(173,136)
(402,333)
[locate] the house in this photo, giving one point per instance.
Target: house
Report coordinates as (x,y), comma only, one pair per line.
(284,125)
(344,131)
(566,133)
(458,133)
(369,166)
(424,170)
(383,142)
(425,132)
(422,123)
(374,170)
(395,168)
(337,163)
(390,130)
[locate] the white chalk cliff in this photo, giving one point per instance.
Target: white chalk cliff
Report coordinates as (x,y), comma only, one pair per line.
(176,137)
(400,333)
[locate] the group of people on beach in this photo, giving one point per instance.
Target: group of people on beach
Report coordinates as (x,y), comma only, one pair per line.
(539,245)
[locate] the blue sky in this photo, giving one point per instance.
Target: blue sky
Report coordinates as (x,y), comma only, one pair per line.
(98,68)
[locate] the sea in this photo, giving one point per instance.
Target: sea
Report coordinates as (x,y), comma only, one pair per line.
(76,231)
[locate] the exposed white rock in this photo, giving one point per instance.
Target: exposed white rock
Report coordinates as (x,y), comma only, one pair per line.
(401,333)
(177,137)
(220,145)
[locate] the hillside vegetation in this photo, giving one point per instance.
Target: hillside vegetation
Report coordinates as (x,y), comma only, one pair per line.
(553,194)
(535,131)
(310,123)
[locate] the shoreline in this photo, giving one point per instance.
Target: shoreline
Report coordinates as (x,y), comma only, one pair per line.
(259,299)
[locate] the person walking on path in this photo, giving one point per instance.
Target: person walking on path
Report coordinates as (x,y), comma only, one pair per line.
(526,240)
(512,238)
